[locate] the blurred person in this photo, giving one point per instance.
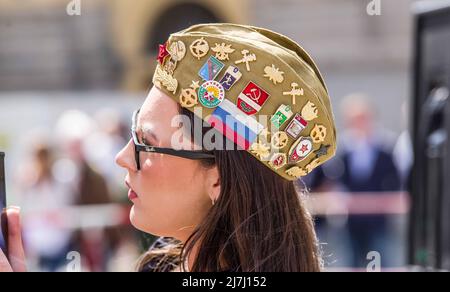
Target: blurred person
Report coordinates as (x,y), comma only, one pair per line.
(89,186)
(218,209)
(103,144)
(368,168)
(368,162)
(364,165)
(43,197)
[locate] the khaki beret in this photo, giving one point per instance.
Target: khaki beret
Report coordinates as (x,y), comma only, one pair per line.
(258,88)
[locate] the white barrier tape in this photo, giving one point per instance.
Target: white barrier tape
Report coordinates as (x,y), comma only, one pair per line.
(329,204)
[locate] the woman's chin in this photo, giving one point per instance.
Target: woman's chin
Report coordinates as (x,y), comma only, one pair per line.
(135,220)
(140,222)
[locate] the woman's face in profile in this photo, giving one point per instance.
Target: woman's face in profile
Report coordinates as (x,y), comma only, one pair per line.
(172,193)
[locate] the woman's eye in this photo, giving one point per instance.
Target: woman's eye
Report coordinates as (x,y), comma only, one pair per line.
(141,139)
(145,142)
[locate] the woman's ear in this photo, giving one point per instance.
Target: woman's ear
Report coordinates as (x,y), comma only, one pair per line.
(213,183)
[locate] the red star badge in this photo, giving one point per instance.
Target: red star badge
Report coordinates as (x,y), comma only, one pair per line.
(304,148)
(163,53)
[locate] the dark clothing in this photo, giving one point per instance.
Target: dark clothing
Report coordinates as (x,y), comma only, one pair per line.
(384,178)
(159,263)
(163,263)
(93,190)
(367,232)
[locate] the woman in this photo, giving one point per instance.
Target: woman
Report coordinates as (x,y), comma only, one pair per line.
(217,207)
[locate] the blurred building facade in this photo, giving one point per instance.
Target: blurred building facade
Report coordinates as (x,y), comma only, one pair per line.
(109,46)
(355,51)
(112,43)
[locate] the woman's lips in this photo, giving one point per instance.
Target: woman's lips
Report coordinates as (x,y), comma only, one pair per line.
(131,194)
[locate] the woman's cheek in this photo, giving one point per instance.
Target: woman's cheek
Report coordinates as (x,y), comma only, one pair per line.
(147,164)
(161,214)
(151,212)
(170,196)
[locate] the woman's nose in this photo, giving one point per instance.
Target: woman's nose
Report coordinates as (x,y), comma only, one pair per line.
(125,158)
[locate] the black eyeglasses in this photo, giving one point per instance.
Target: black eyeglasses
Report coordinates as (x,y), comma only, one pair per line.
(139,147)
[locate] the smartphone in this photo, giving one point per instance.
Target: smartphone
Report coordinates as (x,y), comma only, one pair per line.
(3,222)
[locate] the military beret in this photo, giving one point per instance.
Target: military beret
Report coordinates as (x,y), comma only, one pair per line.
(258,88)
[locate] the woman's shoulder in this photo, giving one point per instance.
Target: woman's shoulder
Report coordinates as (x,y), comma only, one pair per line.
(160,257)
(161,243)
(164,256)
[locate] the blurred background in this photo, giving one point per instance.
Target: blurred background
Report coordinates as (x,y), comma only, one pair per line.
(70,79)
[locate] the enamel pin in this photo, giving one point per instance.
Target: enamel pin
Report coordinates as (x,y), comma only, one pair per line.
(281,116)
(278,160)
(199,48)
(279,140)
(252,99)
(296,126)
(178,51)
(211,69)
(300,150)
(162,78)
(246,59)
(274,74)
(310,112)
(231,77)
(260,150)
(189,97)
(162,54)
(296,172)
(223,51)
(323,151)
(170,65)
(312,165)
(211,94)
(296,91)
(319,133)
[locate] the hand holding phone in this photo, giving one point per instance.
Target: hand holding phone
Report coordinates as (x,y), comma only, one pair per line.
(3,218)
(11,242)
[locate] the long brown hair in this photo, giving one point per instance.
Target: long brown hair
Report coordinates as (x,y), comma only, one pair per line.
(258,224)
